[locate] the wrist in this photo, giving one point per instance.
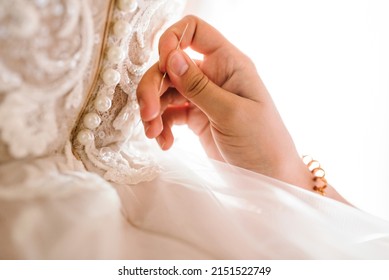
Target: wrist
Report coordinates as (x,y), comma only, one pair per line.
(296,172)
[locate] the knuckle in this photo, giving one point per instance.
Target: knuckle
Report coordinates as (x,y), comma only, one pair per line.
(190,17)
(196,85)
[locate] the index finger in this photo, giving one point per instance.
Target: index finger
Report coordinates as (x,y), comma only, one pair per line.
(148,93)
(199,35)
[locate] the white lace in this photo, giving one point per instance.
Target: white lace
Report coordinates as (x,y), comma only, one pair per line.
(46,48)
(44,85)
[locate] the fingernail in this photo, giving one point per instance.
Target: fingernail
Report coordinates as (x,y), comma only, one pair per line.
(146,126)
(178,64)
(161,141)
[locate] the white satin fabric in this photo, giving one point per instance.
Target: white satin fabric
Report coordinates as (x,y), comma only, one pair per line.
(195,209)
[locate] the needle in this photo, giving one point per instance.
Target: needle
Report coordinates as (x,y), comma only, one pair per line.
(164,74)
(178,46)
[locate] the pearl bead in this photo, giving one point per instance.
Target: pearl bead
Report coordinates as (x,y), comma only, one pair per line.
(103,103)
(127,5)
(111,77)
(121,28)
(85,137)
(115,55)
(92,120)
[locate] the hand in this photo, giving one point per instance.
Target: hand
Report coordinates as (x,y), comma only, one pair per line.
(222,99)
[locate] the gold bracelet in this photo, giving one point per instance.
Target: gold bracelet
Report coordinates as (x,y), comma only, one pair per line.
(318,174)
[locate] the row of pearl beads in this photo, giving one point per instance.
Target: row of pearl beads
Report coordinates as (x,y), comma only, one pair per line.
(91,121)
(115,55)
(110,77)
(127,5)
(121,28)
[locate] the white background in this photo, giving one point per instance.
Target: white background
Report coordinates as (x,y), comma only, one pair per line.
(280,270)
(326,64)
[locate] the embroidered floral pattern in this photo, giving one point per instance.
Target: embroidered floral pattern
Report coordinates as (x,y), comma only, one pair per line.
(26,126)
(45,51)
(72,58)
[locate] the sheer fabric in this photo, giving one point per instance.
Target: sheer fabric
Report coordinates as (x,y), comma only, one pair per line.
(78,179)
(194,209)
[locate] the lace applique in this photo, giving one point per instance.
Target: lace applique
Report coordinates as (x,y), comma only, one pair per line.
(44,84)
(37,124)
(46,48)
(108,129)
(123,168)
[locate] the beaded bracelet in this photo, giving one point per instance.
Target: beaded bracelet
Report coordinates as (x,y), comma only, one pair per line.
(318,174)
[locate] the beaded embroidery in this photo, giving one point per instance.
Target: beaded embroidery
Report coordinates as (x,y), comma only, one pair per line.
(44,84)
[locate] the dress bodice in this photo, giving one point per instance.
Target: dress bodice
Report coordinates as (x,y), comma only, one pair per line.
(69,71)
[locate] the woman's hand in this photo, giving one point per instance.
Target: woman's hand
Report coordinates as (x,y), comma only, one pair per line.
(222,99)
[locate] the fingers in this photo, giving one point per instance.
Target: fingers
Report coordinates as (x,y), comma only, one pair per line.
(148,93)
(152,105)
(171,116)
(172,98)
(188,79)
(153,128)
(192,83)
(197,36)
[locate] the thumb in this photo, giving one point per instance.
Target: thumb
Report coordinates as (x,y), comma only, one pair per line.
(192,83)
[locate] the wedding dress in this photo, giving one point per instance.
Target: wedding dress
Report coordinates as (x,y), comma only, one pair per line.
(79,180)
